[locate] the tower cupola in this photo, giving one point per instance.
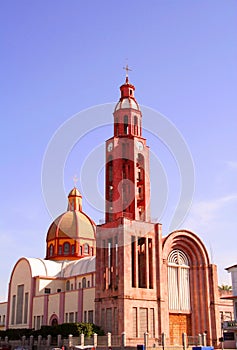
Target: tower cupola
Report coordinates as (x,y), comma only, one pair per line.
(127,98)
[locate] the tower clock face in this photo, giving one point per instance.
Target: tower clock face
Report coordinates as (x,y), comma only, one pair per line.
(139,145)
(110,147)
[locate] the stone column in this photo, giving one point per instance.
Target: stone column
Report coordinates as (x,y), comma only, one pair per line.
(146,339)
(82,339)
(31,341)
(184,340)
(123,342)
(48,340)
(70,341)
(59,340)
(95,338)
(204,339)
(39,341)
(109,340)
(23,340)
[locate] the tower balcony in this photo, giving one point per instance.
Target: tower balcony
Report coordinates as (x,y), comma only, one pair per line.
(230,325)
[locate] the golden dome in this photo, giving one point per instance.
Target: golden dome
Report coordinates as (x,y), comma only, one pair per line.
(72,235)
(73,224)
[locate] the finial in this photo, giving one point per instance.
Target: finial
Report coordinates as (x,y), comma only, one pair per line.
(127,70)
(75,180)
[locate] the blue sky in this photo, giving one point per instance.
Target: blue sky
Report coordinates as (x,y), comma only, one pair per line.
(61,57)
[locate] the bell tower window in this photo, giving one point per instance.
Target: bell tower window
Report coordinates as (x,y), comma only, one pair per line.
(135,125)
(110,169)
(116,127)
(125,125)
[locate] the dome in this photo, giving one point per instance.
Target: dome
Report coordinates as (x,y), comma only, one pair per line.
(73,224)
(72,235)
(127,103)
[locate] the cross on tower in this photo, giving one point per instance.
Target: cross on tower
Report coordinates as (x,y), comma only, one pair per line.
(127,70)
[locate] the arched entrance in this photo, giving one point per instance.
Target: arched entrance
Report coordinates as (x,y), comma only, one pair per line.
(54,322)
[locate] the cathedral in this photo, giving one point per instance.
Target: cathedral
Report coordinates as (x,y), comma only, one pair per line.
(123,275)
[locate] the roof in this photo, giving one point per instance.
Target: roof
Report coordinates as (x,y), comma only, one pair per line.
(51,268)
(80,267)
(231,297)
(231,267)
(127,103)
(47,268)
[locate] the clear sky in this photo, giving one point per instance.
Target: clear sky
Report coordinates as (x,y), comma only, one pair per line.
(61,57)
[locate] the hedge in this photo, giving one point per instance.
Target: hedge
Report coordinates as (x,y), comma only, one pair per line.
(88,329)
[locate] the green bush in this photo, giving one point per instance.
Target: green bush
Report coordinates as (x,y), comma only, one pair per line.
(76,329)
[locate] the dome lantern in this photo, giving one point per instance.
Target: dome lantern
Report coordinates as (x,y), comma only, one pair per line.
(74,200)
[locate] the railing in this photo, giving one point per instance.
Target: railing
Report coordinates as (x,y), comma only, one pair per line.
(229,324)
(108,341)
(194,340)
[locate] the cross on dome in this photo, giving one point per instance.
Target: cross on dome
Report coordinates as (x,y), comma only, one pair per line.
(75,180)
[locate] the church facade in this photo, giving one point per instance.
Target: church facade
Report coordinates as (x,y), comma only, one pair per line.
(123,275)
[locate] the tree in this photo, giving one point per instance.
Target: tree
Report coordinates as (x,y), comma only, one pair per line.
(225,287)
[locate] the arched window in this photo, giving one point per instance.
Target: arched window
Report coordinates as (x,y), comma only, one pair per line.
(140,167)
(125,124)
(66,248)
(84,282)
(73,249)
(86,248)
(178,281)
(135,125)
(67,285)
(110,168)
(51,250)
(116,127)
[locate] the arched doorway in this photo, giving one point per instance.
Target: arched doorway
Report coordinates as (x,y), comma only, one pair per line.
(54,322)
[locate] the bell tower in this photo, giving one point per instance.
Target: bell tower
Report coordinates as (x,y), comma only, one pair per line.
(127,162)
(126,255)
